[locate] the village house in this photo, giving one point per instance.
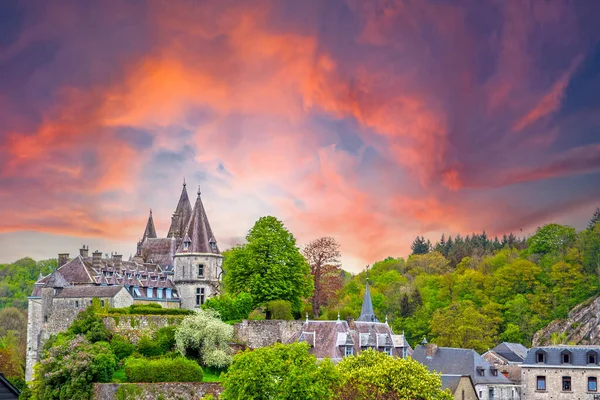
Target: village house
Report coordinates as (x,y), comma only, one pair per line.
(449,361)
(180,271)
(561,372)
(507,357)
(461,386)
(7,389)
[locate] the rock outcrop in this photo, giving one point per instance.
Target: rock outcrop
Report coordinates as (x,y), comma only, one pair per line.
(582,326)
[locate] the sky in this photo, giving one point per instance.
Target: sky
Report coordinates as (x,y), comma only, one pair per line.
(369,121)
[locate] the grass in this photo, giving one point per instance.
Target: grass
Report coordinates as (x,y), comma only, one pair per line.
(119,376)
(211,375)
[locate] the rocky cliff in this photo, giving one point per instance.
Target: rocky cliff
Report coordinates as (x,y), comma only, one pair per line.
(582,326)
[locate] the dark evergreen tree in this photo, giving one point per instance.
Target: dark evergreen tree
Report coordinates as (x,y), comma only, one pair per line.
(405,308)
(420,246)
(595,219)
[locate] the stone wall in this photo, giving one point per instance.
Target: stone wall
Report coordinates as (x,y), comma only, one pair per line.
(153,391)
(257,334)
(135,326)
(163,302)
(579,381)
(187,280)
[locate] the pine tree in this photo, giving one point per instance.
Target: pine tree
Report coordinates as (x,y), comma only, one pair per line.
(420,246)
(405,309)
(595,219)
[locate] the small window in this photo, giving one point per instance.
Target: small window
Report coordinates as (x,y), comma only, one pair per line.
(592,358)
(481,371)
(102,303)
(45,318)
(201,270)
(199,296)
(388,351)
(541,383)
(213,246)
(566,358)
(349,350)
(76,304)
(540,357)
(186,245)
(491,394)
(592,384)
(566,383)
(494,372)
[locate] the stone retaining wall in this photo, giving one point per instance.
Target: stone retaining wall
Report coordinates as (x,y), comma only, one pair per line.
(257,334)
(155,391)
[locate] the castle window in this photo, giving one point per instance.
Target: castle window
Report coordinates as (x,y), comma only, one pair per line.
(136,292)
(348,351)
(76,304)
(199,296)
(45,318)
(186,245)
(159,293)
(213,246)
(592,384)
(541,383)
(168,293)
(566,383)
(149,292)
(388,351)
(102,303)
(201,270)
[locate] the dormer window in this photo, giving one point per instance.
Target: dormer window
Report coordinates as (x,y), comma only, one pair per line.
(540,357)
(201,270)
(565,357)
(213,245)
(494,371)
(592,357)
(186,245)
(481,371)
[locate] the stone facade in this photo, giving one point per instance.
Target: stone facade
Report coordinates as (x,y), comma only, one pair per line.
(152,391)
(257,334)
(197,277)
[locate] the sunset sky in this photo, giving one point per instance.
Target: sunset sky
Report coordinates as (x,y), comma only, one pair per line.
(369,121)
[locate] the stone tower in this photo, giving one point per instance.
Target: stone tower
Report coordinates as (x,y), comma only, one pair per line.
(197,261)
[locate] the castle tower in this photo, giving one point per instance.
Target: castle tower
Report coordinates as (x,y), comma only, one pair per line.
(150,232)
(181,216)
(197,261)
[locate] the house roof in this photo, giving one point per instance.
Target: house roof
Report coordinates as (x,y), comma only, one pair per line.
(367,313)
(9,386)
(181,216)
(553,355)
(150,231)
(513,352)
(199,232)
(160,250)
(455,361)
(452,381)
(89,291)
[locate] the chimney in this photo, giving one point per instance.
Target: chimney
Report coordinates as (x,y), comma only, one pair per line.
(431,349)
(350,321)
(63,258)
(97,259)
(117,259)
(84,251)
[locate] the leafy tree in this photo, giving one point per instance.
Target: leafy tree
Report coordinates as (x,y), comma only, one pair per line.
(231,308)
(420,246)
(462,325)
(280,372)
(375,375)
(551,238)
(205,337)
(589,243)
(269,266)
(69,368)
(518,277)
(323,256)
(89,323)
(595,219)
(431,263)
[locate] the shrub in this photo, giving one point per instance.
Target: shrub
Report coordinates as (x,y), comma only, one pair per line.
(164,369)
(89,323)
(231,308)
(279,309)
(121,346)
(148,309)
(148,347)
(257,314)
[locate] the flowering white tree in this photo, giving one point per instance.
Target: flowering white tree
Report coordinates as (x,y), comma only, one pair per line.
(205,337)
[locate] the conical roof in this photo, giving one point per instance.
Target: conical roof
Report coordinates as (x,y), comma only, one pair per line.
(367,314)
(150,232)
(198,232)
(181,216)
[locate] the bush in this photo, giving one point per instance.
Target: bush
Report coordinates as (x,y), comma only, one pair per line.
(148,309)
(148,347)
(257,314)
(231,308)
(165,369)
(161,342)
(89,323)
(121,346)
(279,309)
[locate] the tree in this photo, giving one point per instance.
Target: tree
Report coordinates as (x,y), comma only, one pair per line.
(589,243)
(279,372)
(595,219)
(420,246)
(231,308)
(269,266)
(375,375)
(431,263)
(205,337)
(323,256)
(462,325)
(551,238)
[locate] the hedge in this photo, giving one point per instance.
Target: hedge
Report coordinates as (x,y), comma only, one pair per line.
(165,369)
(148,309)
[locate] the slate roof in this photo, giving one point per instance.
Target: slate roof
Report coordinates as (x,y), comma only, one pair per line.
(199,232)
(88,291)
(553,356)
(7,389)
(160,250)
(513,352)
(150,231)
(451,382)
(181,216)
(454,361)
(367,313)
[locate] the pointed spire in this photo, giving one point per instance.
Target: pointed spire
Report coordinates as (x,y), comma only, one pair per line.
(150,232)
(367,314)
(201,238)
(182,215)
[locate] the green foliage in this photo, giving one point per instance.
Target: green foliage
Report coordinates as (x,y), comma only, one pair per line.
(279,309)
(279,372)
(231,308)
(166,369)
(17,279)
(69,368)
(420,245)
(589,245)
(269,267)
(148,309)
(205,337)
(129,391)
(121,347)
(89,323)
(551,238)
(159,344)
(375,375)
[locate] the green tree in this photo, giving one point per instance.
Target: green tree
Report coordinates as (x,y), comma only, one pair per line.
(462,325)
(205,337)
(279,372)
(551,238)
(589,243)
(375,375)
(269,266)
(595,219)
(231,308)
(420,245)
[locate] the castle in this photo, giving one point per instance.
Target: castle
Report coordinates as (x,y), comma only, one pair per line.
(181,270)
